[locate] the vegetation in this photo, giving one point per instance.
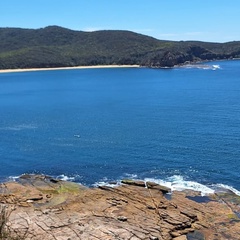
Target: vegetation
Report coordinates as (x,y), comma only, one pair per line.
(4,231)
(55,46)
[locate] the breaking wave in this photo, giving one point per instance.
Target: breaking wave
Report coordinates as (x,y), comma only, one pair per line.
(203,66)
(65,178)
(177,183)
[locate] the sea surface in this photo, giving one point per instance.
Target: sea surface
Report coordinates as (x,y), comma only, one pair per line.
(179,127)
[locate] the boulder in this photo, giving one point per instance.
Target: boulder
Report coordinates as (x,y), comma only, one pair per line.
(153,185)
(133,182)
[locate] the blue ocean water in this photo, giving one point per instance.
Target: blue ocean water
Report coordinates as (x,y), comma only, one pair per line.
(179,126)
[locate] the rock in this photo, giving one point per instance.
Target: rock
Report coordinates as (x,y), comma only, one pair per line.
(122,218)
(189,214)
(124,212)
(183,237)
(29,176)
(35,198)
(105,188)
(153,238)
(112,182)
(133,182)
(163,189)
(196,235)
(53,180)
(151,207)
(175,234)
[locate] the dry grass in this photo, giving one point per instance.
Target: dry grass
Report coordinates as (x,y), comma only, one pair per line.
(4,230)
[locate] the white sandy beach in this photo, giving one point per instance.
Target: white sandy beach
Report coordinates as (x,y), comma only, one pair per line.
(66,68)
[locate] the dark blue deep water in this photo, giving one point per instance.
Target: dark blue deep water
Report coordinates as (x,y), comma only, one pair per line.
(94,125)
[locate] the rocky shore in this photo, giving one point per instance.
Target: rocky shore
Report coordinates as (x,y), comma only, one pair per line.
(40,207)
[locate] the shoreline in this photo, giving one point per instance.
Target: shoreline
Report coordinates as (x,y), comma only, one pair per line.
(41,207)
(107,66)
(66,68)
(177,185)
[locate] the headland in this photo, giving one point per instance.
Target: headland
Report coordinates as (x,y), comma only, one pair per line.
(54,46)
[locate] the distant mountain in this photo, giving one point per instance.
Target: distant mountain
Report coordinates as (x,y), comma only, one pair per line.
(55,46)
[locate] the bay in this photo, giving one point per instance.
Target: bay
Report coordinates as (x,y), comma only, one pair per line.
(176,125)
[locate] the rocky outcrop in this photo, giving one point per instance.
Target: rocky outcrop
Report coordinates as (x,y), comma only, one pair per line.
(39,207)
(134,182)
(187,52)
(163,189)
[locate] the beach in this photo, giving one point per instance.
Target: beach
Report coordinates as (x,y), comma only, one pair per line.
(67,68)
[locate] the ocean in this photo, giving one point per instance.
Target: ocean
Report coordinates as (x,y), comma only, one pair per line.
(179,127)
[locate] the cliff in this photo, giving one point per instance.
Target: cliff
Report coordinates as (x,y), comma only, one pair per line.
(40,207)
(55,46)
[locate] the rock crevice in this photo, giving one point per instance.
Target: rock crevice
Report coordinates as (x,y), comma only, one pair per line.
(63,210)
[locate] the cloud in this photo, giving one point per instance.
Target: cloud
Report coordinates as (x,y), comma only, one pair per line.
(182,36)
(144,30)
(93,29)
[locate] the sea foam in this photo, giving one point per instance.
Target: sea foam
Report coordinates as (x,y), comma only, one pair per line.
(177,183)
(19,127)
(224,187)
(65,178)
(202,66)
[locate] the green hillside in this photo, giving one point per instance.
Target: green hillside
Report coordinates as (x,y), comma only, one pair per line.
(55,46)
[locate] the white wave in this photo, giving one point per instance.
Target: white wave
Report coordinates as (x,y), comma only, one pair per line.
(19,127)
(13,178)
(130,175)
(226,187)
(107,184)
(177,183)
(198,66)
(203,66)
(216,67)
(65,178)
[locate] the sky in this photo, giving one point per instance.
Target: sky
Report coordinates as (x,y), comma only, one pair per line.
(204,20)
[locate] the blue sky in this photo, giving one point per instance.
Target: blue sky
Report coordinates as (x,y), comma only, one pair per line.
(206,20)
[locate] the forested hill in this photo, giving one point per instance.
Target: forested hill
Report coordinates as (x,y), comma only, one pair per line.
(55,46)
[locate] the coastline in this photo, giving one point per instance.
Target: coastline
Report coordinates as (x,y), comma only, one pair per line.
(41,207)
(66,68)
(108,66)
